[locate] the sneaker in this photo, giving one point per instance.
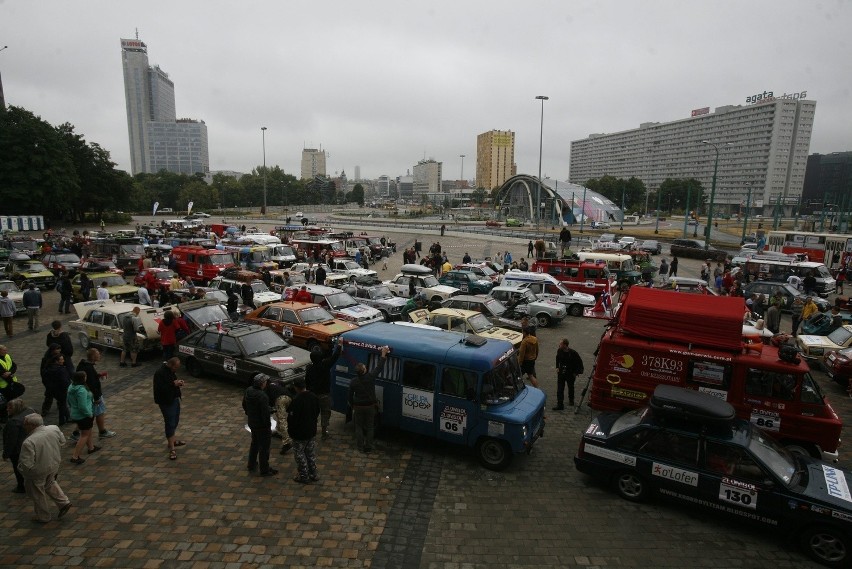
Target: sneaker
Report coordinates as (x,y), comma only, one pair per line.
(107,434)
(64,509)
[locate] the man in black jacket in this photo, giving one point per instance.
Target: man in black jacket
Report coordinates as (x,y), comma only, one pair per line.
(256,406)
(362,399)
(302,427)
(568,366)
(318,378)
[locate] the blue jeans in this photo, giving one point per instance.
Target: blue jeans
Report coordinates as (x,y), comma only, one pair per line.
(171,416)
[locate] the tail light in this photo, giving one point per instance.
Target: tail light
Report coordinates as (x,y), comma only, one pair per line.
(581,451)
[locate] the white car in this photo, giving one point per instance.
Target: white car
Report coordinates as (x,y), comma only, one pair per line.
(627,242)
(299,214)
(600,225)
(15,294)
(424,282)
(99,322)
(343,306)
(544,312)
(815,347)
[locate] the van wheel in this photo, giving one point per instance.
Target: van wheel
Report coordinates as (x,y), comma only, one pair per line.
(802,449)
(543,320)
(630,486)
(575,310)
(193,367)
(84,340)
(826,545)
(494,454)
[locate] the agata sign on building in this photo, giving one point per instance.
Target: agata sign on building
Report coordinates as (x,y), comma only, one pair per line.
(767,96)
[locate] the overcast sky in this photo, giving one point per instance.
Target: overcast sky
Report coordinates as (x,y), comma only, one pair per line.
(383,84)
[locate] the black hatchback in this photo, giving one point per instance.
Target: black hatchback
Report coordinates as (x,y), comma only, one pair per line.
(688,447)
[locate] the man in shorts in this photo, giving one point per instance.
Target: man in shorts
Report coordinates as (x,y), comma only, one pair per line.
(128,336)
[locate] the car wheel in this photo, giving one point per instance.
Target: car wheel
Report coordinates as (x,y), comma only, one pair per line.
(193,367)
(827,545)
(385,315)
(575,310)
(802,449)
(543,320)
(314,346)
(630,486)
(84,340)
(493,454)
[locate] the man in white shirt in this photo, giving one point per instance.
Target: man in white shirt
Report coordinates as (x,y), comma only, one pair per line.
(103,293)
(144,296)
(795,281)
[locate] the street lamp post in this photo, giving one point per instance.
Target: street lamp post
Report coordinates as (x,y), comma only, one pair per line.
(623,189)
(747,208)
(659,197)
(541,98)
(583,210)
(263,134)
(709,227)
(462,166)
(686,210)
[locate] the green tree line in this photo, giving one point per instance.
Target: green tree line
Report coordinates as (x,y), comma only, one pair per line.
(53,171)
(673,193)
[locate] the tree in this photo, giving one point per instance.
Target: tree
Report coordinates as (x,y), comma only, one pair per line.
(674,191)
(356,195)
(478,195)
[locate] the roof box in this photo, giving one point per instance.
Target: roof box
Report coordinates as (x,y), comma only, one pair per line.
(689,405)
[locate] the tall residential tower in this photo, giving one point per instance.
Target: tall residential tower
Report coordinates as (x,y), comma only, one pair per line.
(313,163)
(158,140)
(495,158)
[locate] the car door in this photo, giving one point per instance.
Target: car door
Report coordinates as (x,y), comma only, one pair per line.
(418,397)
(111,331)
(455,404)
(234,365)
(206,353)
(668,461)
(293,329)
(400,286)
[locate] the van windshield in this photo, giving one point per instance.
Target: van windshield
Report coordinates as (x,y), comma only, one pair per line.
(503,383)
(221,259)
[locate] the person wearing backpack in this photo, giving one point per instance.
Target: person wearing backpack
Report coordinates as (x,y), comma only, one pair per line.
(318,380)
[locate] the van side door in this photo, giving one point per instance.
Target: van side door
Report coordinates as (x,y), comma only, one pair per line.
(417,406)
(455,404)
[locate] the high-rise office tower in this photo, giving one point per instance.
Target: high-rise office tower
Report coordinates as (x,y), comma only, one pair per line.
(427,178)
(313,163)
(495,158)
(158,140)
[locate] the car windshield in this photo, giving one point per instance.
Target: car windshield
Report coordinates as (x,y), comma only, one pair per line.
(68,258)
(260,256)
(314,315)
(430,281)
(529,296)
(113,280)
(487,271)
(217,294)
(628,420)
(479,323)
(9,286)
(22,246)
(349,265)
(262,342)
(166,274)
(259,286)
(773,456)
(134,249)
(340,301)
(503,383)
(380,292)
(495,307)
(840,336)
(204,315)
(221,259)
(34,267)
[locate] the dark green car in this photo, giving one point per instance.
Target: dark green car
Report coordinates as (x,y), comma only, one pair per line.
(466,281)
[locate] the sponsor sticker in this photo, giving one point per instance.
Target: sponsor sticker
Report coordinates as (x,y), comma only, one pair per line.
(282,359)
(628,393)
(229,365)
(766,420)
(189,350)
(417,404)
(453,420)
(610,454)
(287,333)
(677,474)
(835,482)
(495,429)
(718,393)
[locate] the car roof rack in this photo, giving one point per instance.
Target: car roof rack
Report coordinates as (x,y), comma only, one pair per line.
(690,405)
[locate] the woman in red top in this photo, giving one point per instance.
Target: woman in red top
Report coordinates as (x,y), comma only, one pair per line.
(171,329)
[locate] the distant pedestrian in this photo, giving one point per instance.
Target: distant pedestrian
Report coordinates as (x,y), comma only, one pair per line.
(302,417)
(144,296)
(93,381)
(564,240)
(443,229)
(41,454)
(568,366)
(85,287)
(809,283)
(103,291)
(66,294)
(167,394)
(13,437)
(664,270)
(7,312)
(773,318)
(59,336)
(319,275)
(796,310)
(530,248)
(362,399)
(256,407)
(528,354)
(81,405)
(33,303)
(841,279)
(233,305)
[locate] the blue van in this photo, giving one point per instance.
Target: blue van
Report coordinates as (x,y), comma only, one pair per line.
(464,389)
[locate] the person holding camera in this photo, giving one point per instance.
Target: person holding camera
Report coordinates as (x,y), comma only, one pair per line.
(568,366)
(167,395)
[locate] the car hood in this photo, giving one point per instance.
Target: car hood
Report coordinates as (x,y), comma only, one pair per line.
(291,358)
(332,327)
(829,485)
(583,298)
(45,273)
(265,297)
(122,290)
(360,272)
(818,342)
(391,301)
(498,333)
(442,289)
(528,402)
(359,312)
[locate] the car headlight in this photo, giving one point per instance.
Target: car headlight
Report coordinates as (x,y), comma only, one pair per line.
(286,373)
(524,431)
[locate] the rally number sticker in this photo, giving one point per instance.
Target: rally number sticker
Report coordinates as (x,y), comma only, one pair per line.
(766,420)
(108,340)
(287,333)
(741,497)
(230,365)
(189,350)
(453,420)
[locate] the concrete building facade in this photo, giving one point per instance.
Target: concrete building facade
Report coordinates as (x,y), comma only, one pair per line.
(313,163)
(427,178)
(157,139)
(495,158)
(763,147)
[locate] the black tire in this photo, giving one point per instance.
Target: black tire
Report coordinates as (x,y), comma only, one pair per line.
(314,346)
(575,310)
(385,315)
(802,449)
(85,342)
(193,367)
(493,454)
(543,320)
(827,545)
(630,486)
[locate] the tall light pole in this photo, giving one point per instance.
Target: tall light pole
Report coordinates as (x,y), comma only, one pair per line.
(541,98)
(263,134)
(623,189)
(461,177)
(709,227)
(748,207)
(2,98)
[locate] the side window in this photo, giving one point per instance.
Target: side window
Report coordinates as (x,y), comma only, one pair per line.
(110,320)
(229,346)
(190,258)
(211,340)
(441,321)
(592,273)
(733,461)
(708,374)
(289,317)
(676,447)
(810,391)
(272,313)
(764,383)
(536,288)
(458,383)
(551,289)
(95,317)
(403,280)
(575,272)
(418,375)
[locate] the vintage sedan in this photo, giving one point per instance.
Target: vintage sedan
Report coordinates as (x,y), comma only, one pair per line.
(544,312)
(466,281)
(651,246)
(21,269)
(61,262)
(379,297)
(688,447)
(815,347)
(302,324)
(117,287)
(161,277)
(467,321)
(838,366)
(239,352)
(99,323)
(492,308)
(15,294)
(98,265)
(424,282)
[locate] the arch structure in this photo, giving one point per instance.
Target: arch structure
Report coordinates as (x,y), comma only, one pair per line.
(562,203)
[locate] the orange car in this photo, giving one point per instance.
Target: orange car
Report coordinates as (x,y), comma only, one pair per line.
(302,324)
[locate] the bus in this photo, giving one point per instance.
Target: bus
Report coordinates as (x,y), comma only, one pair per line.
(830,249)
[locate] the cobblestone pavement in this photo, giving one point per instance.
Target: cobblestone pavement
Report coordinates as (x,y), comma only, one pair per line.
(414,503)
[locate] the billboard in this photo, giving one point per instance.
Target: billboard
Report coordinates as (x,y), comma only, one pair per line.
(699,112)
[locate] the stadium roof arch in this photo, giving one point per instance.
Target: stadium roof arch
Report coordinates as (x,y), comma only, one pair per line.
(562,203)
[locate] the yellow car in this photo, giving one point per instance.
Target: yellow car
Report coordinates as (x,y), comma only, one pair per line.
(468,321)
(117,287)
(21,269)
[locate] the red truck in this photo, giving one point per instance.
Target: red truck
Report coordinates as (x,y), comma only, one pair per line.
(200,264)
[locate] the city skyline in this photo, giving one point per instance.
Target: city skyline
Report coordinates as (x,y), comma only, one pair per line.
(383,87)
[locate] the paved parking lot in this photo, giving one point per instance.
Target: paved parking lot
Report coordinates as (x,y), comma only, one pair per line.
(414,503)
